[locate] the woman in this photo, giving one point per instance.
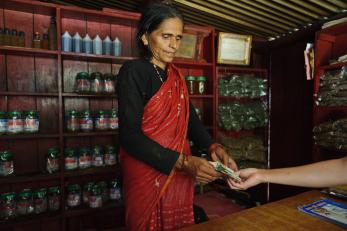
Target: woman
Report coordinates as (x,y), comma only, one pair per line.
(156,118)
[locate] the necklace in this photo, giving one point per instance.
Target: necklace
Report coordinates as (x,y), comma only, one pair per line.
(155,67)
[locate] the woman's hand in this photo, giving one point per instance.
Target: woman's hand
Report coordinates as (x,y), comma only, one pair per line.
(219,154)
(200,169)
(250,177)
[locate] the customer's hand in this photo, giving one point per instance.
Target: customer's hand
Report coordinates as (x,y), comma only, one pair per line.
(250,177)
(219,154)
(200,169)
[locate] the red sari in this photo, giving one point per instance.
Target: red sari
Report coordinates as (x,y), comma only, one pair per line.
(155,201)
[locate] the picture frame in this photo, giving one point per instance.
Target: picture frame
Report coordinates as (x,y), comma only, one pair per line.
(234,48)
(188,47)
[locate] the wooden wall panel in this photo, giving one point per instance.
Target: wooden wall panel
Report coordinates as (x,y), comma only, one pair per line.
(3,103)
(3,83)
(98,26)
(100,104)
(49,114)
(23,78)
(70,70)
(25,156)
(41,23)
(77,104)
(74,23)
(124,33)
(23,103)
(78,142)
(46,73)
(99,67)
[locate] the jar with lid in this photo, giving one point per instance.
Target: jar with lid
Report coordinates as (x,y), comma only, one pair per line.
(31,122)
(82,84)
(110,155)
(73,195)
(15,122)
(14,37)
(3,122)
(21,39)
(104,191)
(86,121)
(71,160)
(7,37)
(52,163)
(37,40)
(87,188)
(6,163)
(40,200)
(25,202)
(96,83)
(53,198)
(200,85)
(7,205)
(102,122)
(115,190)
(85,158)
(97,156)
(113,120)
(1,36)
(72,121)
(95,198)
(109,83)
(190,81)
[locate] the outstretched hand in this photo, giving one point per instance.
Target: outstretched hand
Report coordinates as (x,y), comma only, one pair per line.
(219,154)
(201,170)
(250,177)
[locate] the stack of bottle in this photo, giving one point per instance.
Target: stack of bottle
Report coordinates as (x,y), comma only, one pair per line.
(87,45)
(12,37)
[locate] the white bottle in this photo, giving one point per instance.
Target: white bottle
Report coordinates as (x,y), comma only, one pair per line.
(87,44)
(66,42)
(97,45)
(116,47)
(77,43)
(106,45)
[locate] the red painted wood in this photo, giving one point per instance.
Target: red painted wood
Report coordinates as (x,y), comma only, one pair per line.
(46,74)
(48,109)
(124,30)
(70,70)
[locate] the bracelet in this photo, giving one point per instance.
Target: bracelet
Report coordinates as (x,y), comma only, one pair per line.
(213,147)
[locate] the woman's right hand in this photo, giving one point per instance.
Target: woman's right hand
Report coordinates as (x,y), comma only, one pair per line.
(200,169)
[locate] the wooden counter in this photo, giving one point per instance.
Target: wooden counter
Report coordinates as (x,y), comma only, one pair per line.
(279,215)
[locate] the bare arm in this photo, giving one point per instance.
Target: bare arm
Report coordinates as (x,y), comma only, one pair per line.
(320,174)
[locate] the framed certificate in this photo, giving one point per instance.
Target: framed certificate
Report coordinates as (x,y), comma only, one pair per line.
(188,47)
(234,48)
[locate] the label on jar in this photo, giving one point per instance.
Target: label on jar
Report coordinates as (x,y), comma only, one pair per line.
(98,161)
(6,168)
(115,194)
(101,123)
(52,165)
(40,205)
(85,161)
(53,203)
(73,199)
(201,87)
(73,124)
(31,125)
(70,163)
(86,124)
(109,86)
(114,123)
(110,159)
(83,85)
(14,125)
(3,125)
(95,201)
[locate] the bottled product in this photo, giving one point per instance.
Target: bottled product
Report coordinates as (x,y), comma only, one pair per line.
(72,121)
(14,37)
(45,42)
(82,84)
(106,45)
(86,121)
(97,156)
(109,83)
(199,113)
(24,202)
(1,36)
(87,44)
(115,190)
(73,195)
(200,85)
(7,205)
(37,40)
(21,39)
(53,198)
(97,45)
(190,81)
(66,42)
(52,34)
(31,122)
(87,188)
(116,47)
(113,120)
(6,163)
(71,159)
(104,191)
(110,155)
(40,201)
(85,158)
(52,162)
(7,37)
(95,197)
(77,43)
(15,122)
(101,121)
(3,122)
(96,82)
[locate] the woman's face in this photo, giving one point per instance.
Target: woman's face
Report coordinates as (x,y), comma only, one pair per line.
(164,41)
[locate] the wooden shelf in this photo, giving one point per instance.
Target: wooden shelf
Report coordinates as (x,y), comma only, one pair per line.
(77,134)
(29,219)
(242,132)
(28,136)
(42,94)
(93,171)
(333,66)
(29,178)
(73,55)
(84,209)
(26,51)
(331,108)
(201,96)
(89,95)
(242,98)
(192,63)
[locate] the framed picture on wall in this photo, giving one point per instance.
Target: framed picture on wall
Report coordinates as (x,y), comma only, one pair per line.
(234,48)
(188,46)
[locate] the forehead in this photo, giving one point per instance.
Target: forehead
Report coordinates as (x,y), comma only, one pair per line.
(171,25)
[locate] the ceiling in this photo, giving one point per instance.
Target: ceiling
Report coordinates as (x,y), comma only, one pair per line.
(266,19)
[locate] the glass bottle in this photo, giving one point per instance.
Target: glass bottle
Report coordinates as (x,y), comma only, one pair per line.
(109,83)
(24,202)
(72,121)
(7,205)
(15,122)
(66,42)
(85,158)
(87,188)
(116,47)
(52,161)
(82,84)
(87,44)
(106,45)
(71,160)
(115,190)
(7,37)
(96,82)
(31,122)
(1,36)
(110,155)
(6,163)
(113,120)
(97,156)
(200,85)
(52,34)
(86,121)
(37,40)
(40,200)
(101,121)
(45,42)
(97,45)
(73,195)
(14,37)
(21,39)
(95,197)
(77,43)
(53,198)
(3,122)
(190,81)
(104,191)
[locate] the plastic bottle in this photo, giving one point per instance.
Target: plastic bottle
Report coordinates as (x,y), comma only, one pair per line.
(116,47)
(87,44)
(66,42)
(106,45)
(77,43)
(97,45)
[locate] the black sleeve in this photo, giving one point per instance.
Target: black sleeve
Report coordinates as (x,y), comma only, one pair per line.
(197,132)
(131,90)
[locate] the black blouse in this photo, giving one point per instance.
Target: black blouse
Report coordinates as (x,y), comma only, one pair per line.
(138,81)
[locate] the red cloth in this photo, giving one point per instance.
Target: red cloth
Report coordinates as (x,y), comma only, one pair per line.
(155,201)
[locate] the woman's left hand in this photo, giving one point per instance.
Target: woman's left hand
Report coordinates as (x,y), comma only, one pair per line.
(219,154)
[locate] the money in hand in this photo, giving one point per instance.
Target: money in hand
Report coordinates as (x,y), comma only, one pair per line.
(219,167)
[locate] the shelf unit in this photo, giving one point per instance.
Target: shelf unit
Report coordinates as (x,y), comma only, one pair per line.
(330,43)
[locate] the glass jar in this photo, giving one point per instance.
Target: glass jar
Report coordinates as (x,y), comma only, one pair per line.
(109,83)
(6,163)
(87,188)
(31,122)
(40,201)
(25,202)
(72,121)
(82,84)
(110,155)
(52,163)
(53,199)
(71,160)
(200,85)
(96,83)
(113,120)
(104,191)
(102,122)
(15,122)
(95,198)
(190,81)
(3,122)
(115,190)
(85,158)
(86,121)
(7,205)
(73,195)
(97,156)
